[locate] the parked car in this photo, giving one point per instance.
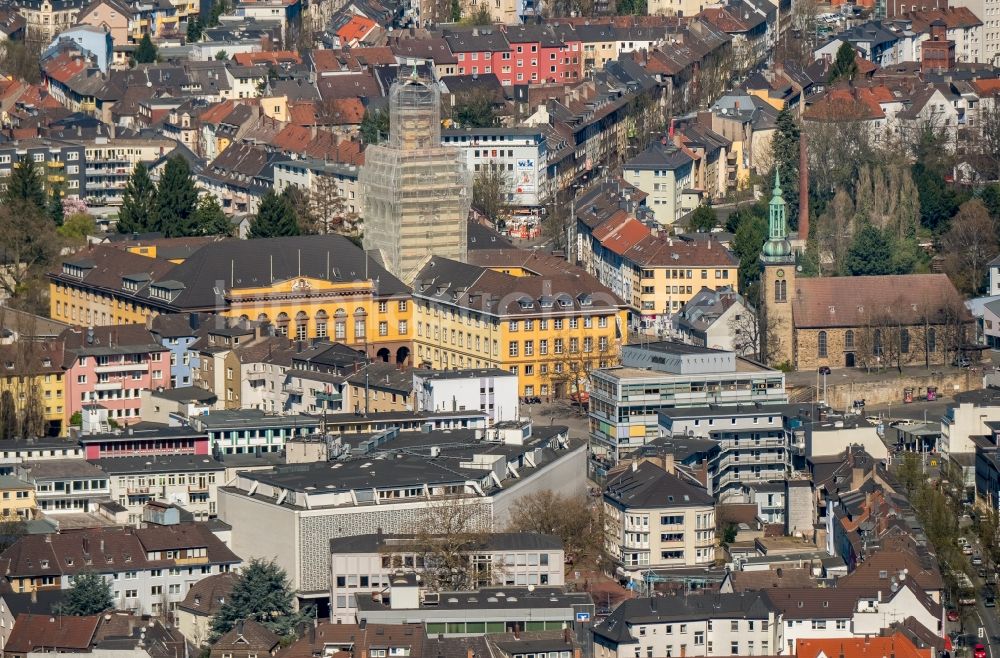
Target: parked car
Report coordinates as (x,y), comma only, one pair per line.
(982,573)
(824,370)
(977,561)
(979,651)
(953,615)
(966,550)
(989,599)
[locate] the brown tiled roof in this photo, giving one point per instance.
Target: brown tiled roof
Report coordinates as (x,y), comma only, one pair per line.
(247,635)
(104,550)
(51,634)
(661,251)
(892,562)
(358,640)
(208,594)
(748,581)
(31,357)
(854,301)
(109,265)
(348,85)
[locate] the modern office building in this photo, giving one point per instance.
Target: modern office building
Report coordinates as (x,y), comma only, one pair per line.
(625,399)
(754,443)
(416,193)
(366,564)
(394,482)
(490,390)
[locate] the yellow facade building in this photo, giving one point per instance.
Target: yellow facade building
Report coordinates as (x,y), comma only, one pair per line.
(17,499)
(32,372)
(318,286)
(549,330)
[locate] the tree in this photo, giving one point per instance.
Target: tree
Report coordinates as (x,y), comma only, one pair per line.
(745,328)
(938,202)
(445,534)
(703,219)
(573,519)
(137,213)
(77,227)
(55,204)
(19,59)
(474,109)
(30,244)
(146,52)
(219,7)
(264,594)
(987,140)
(481,16)
(24,185)
(845,66)
(210,218)
(490,189)
(194,28)
(375,126)
(176,199)
(332,213)
(275,217)
(90,594)
(751,232)
(969,245)
(785,153)
(11,530)
(8,416)
(631,7)
(990,196)
(870,253)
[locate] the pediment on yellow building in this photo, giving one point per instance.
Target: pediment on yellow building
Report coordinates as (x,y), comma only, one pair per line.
(300,285)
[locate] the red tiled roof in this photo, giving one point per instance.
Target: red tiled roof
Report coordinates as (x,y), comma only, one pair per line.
(853,301)
(356,28)
(987,87)
(660,251)
(621,232)
(355,59)
(268,57)
(897,645)
(45,633)
(64,66)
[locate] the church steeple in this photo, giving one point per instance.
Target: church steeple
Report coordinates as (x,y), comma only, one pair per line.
(777,249)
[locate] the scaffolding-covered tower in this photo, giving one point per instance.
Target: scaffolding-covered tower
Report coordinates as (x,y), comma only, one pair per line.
(416,193)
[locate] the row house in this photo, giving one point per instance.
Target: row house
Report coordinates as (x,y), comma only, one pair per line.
(522,153)
(239,177)
(772,621)
(540,54)
(110,366)
(149,569)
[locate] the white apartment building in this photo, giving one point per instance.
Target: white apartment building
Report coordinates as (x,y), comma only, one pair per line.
(490,390)
(656,517)
(365,564)
(109,163)
(188,481)
(520,152)
(739,624)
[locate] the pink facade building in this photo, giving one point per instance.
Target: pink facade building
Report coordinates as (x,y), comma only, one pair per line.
(110,367)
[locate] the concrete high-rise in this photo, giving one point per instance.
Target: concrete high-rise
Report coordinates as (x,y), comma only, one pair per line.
(416,193)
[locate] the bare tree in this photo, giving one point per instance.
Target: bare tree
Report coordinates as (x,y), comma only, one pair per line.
(987,139)
(574,519)
(447,533)
(330,210)
(969,245)
(491,189)
(745,328)
(29,244)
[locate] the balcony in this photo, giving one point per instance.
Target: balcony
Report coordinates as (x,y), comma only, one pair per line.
(122,367)
(198,488)
(183,561)
(138,491)
(108,386)
(329,397)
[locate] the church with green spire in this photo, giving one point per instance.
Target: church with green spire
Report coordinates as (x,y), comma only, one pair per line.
(850,321)
(778,263)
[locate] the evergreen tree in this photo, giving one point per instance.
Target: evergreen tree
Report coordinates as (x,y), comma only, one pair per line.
(55,207)
(275,217)
(176,200)
(938,202)
(146,52)
(263,594)
(703,219)
(375,126)
(90,594)
(751,232)
(785,152)
(137,214)
(193,29)
(210,219)
(845,66)
(25,185)
(870,253)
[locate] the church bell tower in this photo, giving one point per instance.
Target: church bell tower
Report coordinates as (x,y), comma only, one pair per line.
(777,284)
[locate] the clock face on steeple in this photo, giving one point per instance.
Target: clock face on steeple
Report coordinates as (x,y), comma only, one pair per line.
(780,273)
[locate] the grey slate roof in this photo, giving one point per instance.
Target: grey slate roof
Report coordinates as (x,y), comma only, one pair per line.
(650,486)
(743,605)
